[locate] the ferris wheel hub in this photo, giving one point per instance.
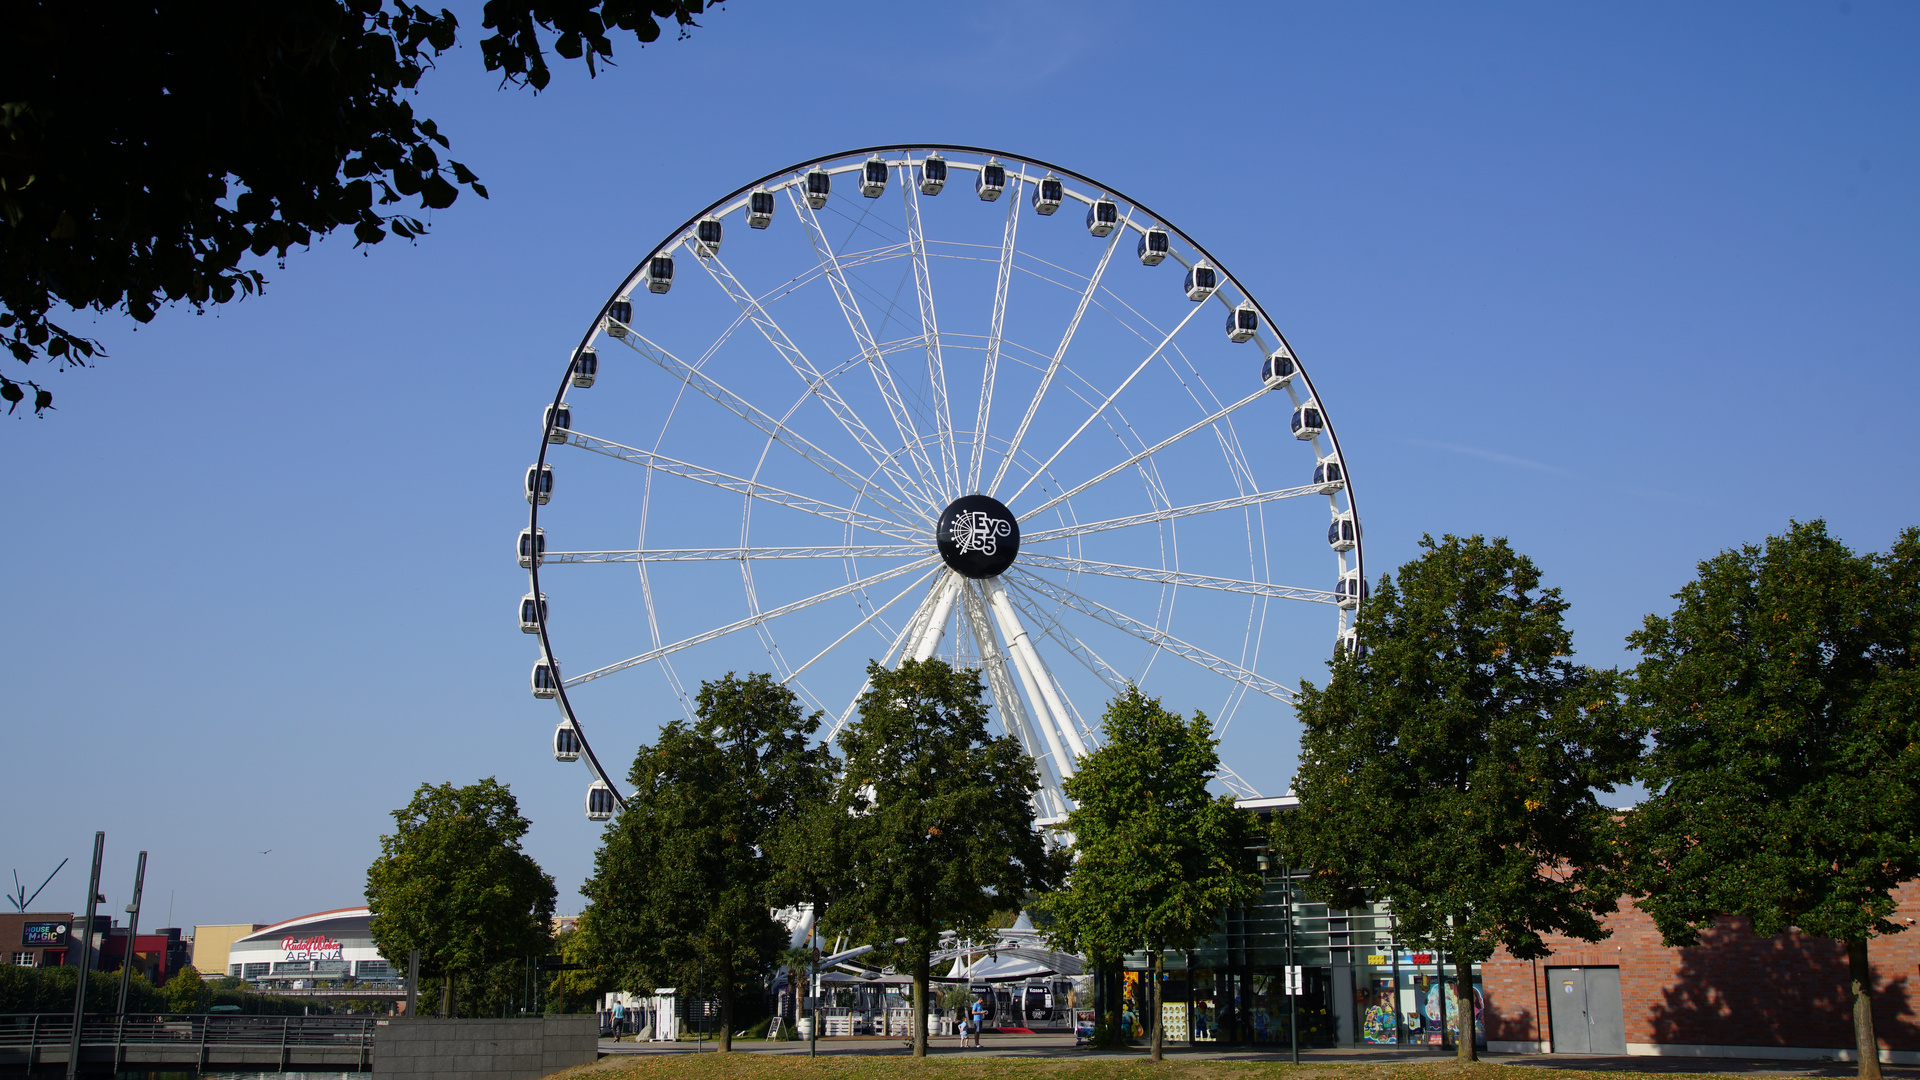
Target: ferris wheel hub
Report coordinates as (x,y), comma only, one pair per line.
(978,536)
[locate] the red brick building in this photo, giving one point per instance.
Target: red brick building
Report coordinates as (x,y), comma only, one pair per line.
(1733,994)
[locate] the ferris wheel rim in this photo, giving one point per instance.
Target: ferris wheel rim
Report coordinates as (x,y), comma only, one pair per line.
(678,235)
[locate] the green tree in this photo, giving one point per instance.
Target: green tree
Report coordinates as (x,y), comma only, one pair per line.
(680,890)
(1782,696)
(938,819)
(1451,766)
(1157,860)
(148,151)
(574,991)
(185,991)
(452,882)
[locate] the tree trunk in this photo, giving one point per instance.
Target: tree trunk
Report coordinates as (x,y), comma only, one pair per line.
(921,962)
(1463,1016)
(1158,959)
(725,1042)
(446,998)
(1861,978)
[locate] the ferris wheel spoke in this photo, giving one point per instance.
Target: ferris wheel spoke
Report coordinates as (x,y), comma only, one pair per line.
(862,624)
(1059,354)
(743,554)
(1142,455)
(930,329)
(1153,635)
(715,478)
(777,430)
(820,386)
(903,420)
(1233,782)
(1176,577)
(907,631)
(1167,514)
(1002,282)
(1157,350)
(751,621)
(1014,715)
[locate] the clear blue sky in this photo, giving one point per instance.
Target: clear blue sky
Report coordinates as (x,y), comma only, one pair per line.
(1627,283)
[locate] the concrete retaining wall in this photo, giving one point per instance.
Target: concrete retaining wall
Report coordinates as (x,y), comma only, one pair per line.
(431,1049)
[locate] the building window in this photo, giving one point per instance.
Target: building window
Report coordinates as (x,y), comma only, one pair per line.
(233,971)
(378,968)
(254,971)
(329,967)
(24,959)
(289,967)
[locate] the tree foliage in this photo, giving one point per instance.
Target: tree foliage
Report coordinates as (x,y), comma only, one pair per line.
(1452,765)
(452,882)
(680,890)
(147,151)
(1157,859)
(938,828)
(1783,702)
(185,990)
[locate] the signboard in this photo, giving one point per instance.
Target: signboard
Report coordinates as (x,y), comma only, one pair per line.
(43,933)
(317,947)
(1295,982)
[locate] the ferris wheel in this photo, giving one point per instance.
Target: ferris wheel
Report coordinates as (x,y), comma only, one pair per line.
(892,404)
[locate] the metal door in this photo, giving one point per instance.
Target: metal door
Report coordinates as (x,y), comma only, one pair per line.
(1585,1010)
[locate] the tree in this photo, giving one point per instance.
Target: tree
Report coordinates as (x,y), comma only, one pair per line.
(1157,860)
(938,818)
(680,886)
(1781,699)
(1451,766)
(147,151)
(452,882)
(185,990)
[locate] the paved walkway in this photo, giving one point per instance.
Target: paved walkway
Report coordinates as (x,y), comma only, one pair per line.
(1062,1046)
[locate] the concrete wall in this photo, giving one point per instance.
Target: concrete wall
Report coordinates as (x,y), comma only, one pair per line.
(423,1048)
(1734,993)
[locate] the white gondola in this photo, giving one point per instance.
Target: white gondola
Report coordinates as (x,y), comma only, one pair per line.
(531,548)
(991,181)
(539,483)
(1277,370)
(1349,644)
(1328,476)
(586,365)
(706,237)
(873,177)
(816,186)
(599,801)
(1349,590)
(933,174)
(1102,216)
(1047,195)
(533,611)
(546,678)
(566,743)
(1344,532)
(660,273)
(1307,421)
(556,421)
(1201,281)
(1154,246)
(1242,322)
(759,208)
(619,317)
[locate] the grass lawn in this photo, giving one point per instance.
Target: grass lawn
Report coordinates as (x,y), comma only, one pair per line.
(895,1067)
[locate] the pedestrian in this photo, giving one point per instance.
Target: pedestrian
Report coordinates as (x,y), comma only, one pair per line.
(979,1018)
(619,1019)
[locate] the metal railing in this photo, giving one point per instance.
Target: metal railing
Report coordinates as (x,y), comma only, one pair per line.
(196,1036)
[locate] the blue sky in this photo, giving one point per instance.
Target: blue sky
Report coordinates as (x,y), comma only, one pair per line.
(1628,284)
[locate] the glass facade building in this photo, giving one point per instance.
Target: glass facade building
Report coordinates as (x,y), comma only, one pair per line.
(1284,965)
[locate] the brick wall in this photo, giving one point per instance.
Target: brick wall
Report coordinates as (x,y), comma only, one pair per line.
(1733,989)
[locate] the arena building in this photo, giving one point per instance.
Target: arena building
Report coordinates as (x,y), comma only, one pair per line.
(325,949)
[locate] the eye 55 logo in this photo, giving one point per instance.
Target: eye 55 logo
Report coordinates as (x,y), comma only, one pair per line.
(978,536)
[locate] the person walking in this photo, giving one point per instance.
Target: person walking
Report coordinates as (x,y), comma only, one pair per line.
(978,1019)
(619,1019)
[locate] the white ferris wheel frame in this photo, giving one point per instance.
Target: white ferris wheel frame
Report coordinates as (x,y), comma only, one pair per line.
(985,604)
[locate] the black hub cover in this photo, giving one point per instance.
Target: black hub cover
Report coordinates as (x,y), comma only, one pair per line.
(978,536)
